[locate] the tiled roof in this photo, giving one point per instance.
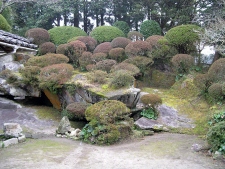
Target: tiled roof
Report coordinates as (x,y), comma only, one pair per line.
(13,39)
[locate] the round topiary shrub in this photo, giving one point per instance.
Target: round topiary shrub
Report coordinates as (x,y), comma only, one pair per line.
(54,76)
(149,28)
(151,99)
(134,70)
(143,63)
(85,59)
(74,51)
(46,60)
(135,35)
(183,38)
(38,35)
(182,63)
(138,48)
(97,57)
(76,110)
(106,33)
(121,78)
(46,47)
(90,42)
(61,49)
(120,42)
(97,76)
(217,70)
(153,40)
(216,137)
(103,48)
(122,26)
(4,25)
(215,92)
(105,65)
(117,54)
(30,75)
(202,82)
(60,35)
(108,122)
(90,67)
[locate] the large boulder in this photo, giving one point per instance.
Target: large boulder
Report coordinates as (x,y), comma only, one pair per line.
(64,126)
(12,130)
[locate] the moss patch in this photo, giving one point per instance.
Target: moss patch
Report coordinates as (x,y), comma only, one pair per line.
(44,112)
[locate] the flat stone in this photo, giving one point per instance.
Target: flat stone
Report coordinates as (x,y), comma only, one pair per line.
(10,142)
(148,124)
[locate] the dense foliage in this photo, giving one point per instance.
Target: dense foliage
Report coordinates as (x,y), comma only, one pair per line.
(122,26)
(38,35)
(104,47)
(138,48)
(149,28)
(4,25)
(120,42)
(46,47)
(76,110)
(182,63)
(106,33)
(60,35)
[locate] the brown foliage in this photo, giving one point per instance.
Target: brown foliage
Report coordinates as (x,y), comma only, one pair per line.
(120,42)
(47,47)
(151,99)
(104,47)
(38,35)
(138,48)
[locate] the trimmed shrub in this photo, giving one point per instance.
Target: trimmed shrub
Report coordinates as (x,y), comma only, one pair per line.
(117,54)
(183,38)
(151,99)
(215,92)
(105,65)
(46,47)
(106,33)
(103,48)
(202,82)
(182,63)
(90,67)
(46,60)
(123,26)
(62,49)
(76,110)
(54,76)
(216,71)
(97,57)
(153,40)
(138,48)
(90,42)
(30,75)
(4,25)
(121,78)
(143,63)
(85,59)
(108,122)
(134,70)
(135,36)
(74,51)
(97,76)
(216,137)
(38,35)
(60,35)
(120,42)
(149,28)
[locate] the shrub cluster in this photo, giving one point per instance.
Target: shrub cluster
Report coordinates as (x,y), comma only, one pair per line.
(105,65)
(46,47)
(104,47)
(54,76)
(97,76)
(90,42)
(120,42)
(38,35)
(132,69)
(76,110)
(182,63)
(151,99)
(149,28)
(61,35)
(135,36)
(117,54)
(97,57)
(106,33)
(121,78)
(47,59)
(138,48)
(61,49)
(85,59)
(108,122)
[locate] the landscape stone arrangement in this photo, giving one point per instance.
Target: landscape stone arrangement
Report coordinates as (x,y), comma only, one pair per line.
(12,135)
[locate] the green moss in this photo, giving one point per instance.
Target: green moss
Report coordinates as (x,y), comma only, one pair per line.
(44,112)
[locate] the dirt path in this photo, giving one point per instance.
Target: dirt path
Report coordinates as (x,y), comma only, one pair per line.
(161,151)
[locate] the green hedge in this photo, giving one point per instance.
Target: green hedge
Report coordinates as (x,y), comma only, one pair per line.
(4,24)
